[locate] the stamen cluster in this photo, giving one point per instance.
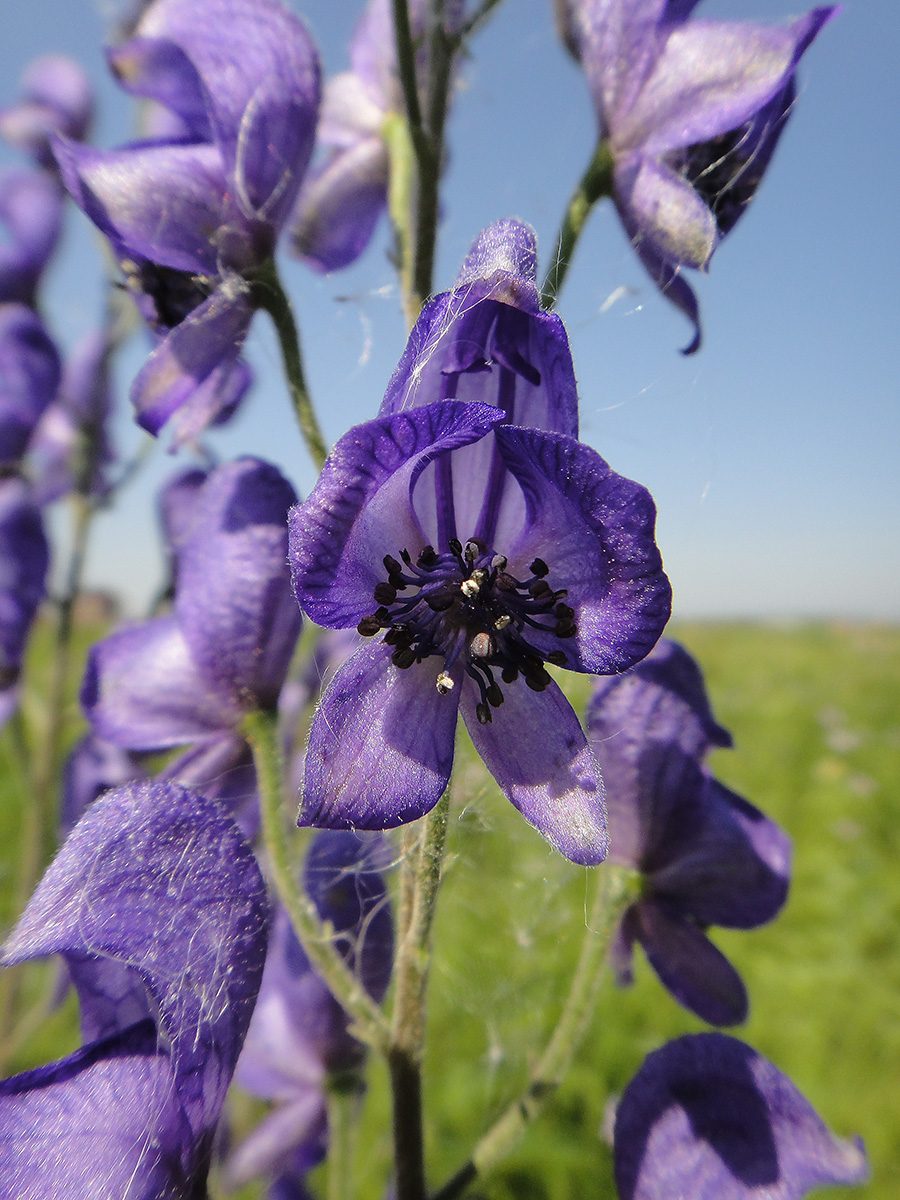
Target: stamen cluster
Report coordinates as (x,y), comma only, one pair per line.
(466,606)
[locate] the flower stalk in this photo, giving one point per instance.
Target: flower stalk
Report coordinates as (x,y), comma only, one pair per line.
(595,183)
(268,294)
(423,862)
(369,1024)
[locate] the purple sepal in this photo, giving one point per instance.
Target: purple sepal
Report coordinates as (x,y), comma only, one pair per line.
(29,377)
(106,1121)
(536,750)
(155,879)
(143,690)
(360,508)
(339,206)
(234,598)
(221,769)
(192,675)
(691,111)
(487,340)
(195,374)
(708,1117)
(380,747)
(31,211)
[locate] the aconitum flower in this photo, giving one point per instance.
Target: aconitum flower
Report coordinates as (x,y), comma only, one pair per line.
(158,907)
(706,855)
(31,214)
(342,198)
(29,377)
(690,112)
(299,1035)
(191,676)
(708,1117)
(56,99)
(193,220)
(24,558)
(472,552)
(71,450)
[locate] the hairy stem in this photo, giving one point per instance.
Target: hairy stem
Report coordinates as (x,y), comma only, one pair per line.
(408,1024)
(416,223)
(595,183)
(314,934)
(270,295)
(616,888)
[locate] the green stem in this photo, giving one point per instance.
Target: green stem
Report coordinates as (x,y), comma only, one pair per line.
(344,1093)
(416,223)
(616,889)
(47,763)
(595,183)
(315,935)
(270,295)
(408,1024)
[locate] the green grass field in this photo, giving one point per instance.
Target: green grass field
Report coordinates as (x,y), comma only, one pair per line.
(815,711)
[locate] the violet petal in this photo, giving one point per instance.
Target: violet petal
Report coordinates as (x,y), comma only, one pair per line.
(708,1117)
(381,745)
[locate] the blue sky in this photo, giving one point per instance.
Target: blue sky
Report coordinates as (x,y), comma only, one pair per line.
(772,454)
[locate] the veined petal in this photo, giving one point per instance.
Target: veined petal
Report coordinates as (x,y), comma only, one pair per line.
(360,509)
(670,217)
(260,72)
(711,76)
(158,878)
(204,347)
(142,690)
(487,341)
(708,1117)
(339,205)
(697,974)
(234,601)
(163,203)
(381,744)
(595,530)
(535,748)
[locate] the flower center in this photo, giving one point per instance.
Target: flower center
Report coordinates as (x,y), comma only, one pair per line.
(466,607)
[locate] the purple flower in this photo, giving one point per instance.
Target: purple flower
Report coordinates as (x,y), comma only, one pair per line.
(24,557)
(29,376)
(70,449)
(709,1118)
(56,99)
(191,676)
(92,768)
(707,856)
(482,550)
(193,220)
(31,211)
(691,112)
(299,1034)
(159,910)
(343,197)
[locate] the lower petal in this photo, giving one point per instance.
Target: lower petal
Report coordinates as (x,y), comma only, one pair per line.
(535,748)
(381,745)
(697,974)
